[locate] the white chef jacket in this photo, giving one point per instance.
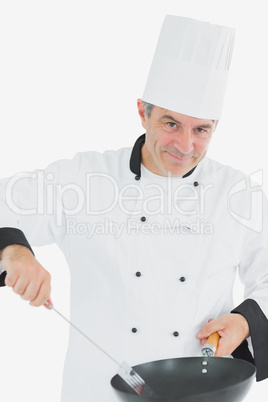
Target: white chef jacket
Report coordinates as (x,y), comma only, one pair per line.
(152,258)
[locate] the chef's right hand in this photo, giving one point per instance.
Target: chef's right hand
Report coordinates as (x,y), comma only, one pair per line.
(25,275)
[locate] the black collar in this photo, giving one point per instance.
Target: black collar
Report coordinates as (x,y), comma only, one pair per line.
(135,158)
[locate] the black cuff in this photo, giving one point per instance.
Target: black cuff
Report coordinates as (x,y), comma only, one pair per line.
(8,237)
(2,278)
(258,325)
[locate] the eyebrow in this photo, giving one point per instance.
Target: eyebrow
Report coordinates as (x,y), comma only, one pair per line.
(169,117)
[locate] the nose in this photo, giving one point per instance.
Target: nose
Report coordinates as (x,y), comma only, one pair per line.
(184,141)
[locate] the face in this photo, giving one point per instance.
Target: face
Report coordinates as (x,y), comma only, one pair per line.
(175,143)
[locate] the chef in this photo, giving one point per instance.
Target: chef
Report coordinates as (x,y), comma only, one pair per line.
(153,235)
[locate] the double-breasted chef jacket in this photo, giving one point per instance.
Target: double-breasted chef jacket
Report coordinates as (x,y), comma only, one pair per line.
(152,258)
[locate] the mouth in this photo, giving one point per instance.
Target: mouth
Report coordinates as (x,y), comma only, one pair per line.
(179,158)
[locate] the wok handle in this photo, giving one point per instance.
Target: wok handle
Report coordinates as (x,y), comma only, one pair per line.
(210,347)
(214,339)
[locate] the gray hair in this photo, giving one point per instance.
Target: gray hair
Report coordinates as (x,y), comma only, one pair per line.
(148,108)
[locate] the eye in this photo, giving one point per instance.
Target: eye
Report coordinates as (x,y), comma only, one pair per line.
(171,124)
(201,130)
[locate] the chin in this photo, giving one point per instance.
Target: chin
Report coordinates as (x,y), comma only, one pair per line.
(176,172)
(179,170)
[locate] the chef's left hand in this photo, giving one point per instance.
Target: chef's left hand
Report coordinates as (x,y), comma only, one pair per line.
(232,328)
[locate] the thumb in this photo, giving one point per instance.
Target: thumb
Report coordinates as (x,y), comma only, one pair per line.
(223,348)
(208,329)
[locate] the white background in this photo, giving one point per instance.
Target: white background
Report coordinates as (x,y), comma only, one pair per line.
(70,73)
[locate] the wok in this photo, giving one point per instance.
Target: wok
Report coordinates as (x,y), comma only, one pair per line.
(188,379)
(191,379)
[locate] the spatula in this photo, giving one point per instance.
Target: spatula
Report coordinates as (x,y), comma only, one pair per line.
(126,372)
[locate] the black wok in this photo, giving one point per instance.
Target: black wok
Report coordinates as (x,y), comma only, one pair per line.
(191,379)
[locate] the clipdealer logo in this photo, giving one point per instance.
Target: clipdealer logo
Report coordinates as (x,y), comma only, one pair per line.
(133,227)
(254,218)
(99,194)
(47,197)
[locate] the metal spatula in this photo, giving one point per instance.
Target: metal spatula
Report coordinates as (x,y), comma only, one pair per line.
(126,372)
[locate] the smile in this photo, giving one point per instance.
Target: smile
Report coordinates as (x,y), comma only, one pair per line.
(178,158)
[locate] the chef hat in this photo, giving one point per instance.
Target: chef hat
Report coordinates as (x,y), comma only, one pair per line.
(190,66)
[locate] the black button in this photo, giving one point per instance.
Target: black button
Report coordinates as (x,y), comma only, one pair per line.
(138,273)
(175,333)
(134,330)
(196,183)
(143,219)
(137,177)
(182,279)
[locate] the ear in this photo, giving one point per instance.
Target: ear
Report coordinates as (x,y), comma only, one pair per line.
(141,112)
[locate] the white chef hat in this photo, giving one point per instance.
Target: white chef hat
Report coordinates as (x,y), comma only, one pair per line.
(190,66)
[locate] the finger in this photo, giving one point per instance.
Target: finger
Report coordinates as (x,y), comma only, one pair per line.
(20,285)
(228,343)
(43,294)
(31,291)
(204,341)
(224,348)
(11,279)
(208,329)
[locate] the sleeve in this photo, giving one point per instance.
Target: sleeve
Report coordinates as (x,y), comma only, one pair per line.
(30,207)
(253,271)
(2,279)
(258,325)
(9,236)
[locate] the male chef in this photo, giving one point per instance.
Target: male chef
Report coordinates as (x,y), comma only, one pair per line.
(153,235)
